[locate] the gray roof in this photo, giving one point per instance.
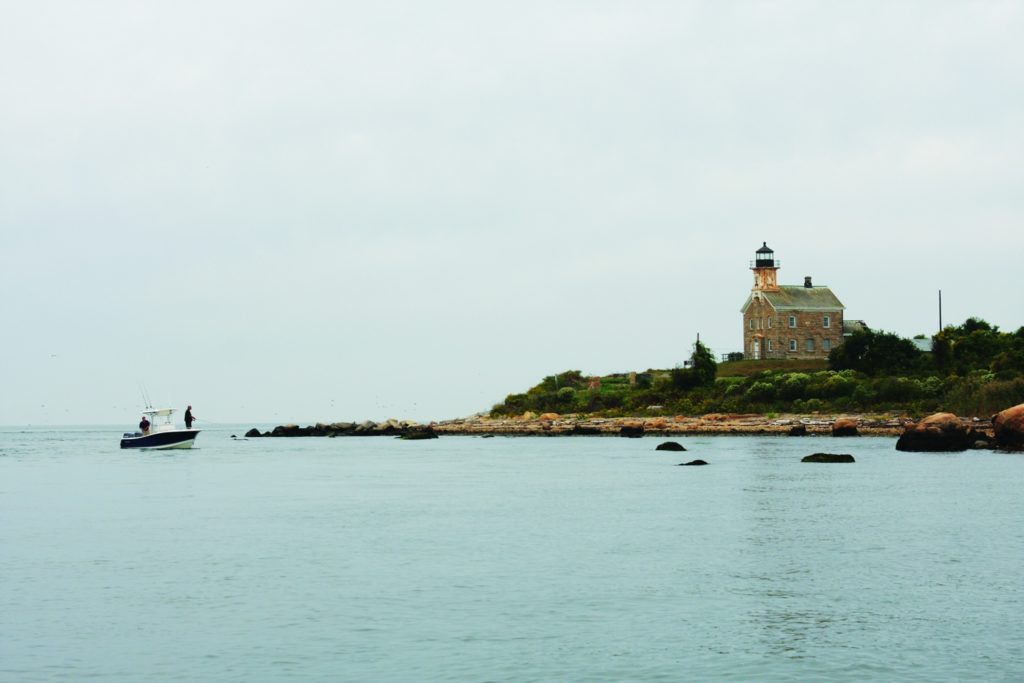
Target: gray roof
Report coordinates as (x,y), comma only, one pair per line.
(851,326)
(799,298)
(924,345)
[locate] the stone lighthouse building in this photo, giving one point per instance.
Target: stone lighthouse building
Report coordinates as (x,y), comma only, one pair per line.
(788,321)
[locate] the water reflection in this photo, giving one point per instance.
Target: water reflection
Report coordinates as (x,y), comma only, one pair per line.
(788,558)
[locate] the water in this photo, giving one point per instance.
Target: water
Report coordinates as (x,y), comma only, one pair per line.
(505,559)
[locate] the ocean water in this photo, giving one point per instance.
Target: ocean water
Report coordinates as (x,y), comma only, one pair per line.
(506,559)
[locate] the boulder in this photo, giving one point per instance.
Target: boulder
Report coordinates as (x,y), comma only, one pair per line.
(549,416)
(828,457)
(253,432)
(631,431)
(418,434)
(286,430)
(844,426)
(1009,428)
(798,430)
(584,430)
(938,433)
(670,446)
(692,462)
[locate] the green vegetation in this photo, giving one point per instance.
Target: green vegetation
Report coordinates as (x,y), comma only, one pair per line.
(974,369)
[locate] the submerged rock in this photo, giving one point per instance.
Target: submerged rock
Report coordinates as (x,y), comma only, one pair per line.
(670,446)
(692,462)
(829,457)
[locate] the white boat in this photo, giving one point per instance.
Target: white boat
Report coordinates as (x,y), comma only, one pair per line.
(161,434)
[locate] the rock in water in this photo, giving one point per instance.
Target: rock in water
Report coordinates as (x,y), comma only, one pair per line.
(844,426)
(418,434)
(670,446)
(252,432)
(1009,428)
(692,462)
(584,430)
(631,431)
(798,430)
(938,433)
(829,457)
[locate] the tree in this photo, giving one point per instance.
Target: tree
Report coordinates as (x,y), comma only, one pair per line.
(701,372)
(703,363)
(875,353)
(977,345)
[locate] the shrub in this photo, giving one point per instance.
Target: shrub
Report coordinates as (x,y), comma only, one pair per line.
(837,386)
(793,386)
(897,389)
(761,392)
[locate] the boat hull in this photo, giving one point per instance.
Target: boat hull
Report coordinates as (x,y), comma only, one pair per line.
(177,438)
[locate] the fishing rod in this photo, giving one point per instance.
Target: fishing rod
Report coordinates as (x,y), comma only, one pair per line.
(145,397)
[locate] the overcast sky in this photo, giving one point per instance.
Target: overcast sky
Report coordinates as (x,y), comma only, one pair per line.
(304,211)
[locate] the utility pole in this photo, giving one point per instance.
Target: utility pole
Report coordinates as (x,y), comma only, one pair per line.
(940,310)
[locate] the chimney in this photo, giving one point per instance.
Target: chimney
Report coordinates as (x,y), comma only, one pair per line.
(807,281)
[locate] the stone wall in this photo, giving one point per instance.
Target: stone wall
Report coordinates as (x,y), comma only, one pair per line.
(762,323)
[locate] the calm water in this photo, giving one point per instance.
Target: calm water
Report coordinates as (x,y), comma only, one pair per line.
(468,559)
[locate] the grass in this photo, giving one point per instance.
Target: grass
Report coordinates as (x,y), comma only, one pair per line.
(746,368)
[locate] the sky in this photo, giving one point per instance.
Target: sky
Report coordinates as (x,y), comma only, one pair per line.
(319,211)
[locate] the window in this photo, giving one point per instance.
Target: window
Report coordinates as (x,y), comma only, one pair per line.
(826,322)
(769,341)
(751,323)
(826,344)
(792,321)
(810,344)
(792,344)
(769,323)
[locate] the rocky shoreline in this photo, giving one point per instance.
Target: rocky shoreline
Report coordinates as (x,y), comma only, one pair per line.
(550,424)
(712,424)
(938,432)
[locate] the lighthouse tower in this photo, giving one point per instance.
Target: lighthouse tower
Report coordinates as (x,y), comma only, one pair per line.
(766,269)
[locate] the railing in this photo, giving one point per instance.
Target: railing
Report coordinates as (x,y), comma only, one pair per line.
(766,263)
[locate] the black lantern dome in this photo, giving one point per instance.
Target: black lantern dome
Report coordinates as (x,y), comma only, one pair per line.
(765,257)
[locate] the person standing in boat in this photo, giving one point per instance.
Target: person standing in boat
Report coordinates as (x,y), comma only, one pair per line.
(188,418)
(144,425)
